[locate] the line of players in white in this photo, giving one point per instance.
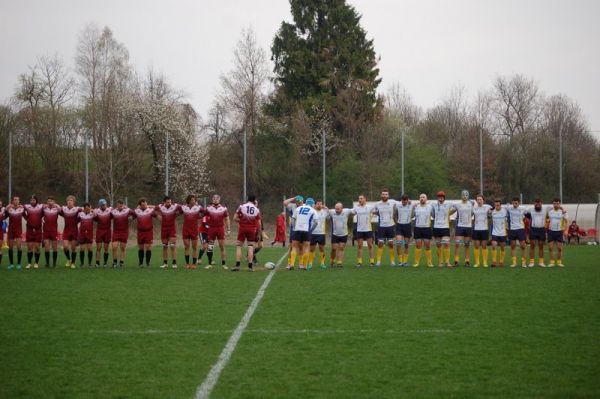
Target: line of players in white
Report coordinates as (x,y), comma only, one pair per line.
(399,221)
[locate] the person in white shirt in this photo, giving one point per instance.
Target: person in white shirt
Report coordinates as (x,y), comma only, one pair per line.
(303,220)
(318,235)
(441,228)
(516,230)
(404,212)
(537,232)
(290,205)
(385,230)
(481,232)
(464,228)
(499,227)
(364,229)
(557,224)
(423,212)
(339,233)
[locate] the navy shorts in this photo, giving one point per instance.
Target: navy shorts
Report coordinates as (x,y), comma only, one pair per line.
(555,236)
(203,237)
(317,239)
(516,235)
(499,238)
(339,239)
(439,233)
(480,235)
(302,236)
(537,233)
(463,232)
(422,233)
(386,233)
(404,230)
(363,235)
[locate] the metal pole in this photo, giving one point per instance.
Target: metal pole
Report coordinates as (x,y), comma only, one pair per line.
(10,165)
(167,164)
(560,167)
(245,167)
(87,175)
(324,135)
(402,159)
(480,160)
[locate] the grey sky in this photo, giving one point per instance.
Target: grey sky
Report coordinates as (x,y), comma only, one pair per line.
(427,46)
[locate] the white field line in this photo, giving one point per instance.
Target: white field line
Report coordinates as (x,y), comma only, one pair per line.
(277,331)
(204,390)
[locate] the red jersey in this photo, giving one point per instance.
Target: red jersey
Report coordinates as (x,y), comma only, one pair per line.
(168,216)
(120,220)
(203,228)
(216,215)
(102,218)
(15,219)
(34,214)
(86,223)
(50,218)
(144,218)
(70,216)
(191,216)
(248,215)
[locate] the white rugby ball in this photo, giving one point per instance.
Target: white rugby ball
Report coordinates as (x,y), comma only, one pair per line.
(270,265)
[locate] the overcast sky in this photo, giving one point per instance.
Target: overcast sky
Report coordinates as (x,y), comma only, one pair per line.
(426,46)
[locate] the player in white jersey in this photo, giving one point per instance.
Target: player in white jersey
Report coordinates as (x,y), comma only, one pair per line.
(557,223)
(404,215)
(481,232)
(339,233)
(364,229)
(464,228)
(318,235)
(516,230)
(499,227)
(537,233)
(422,213)
(290,205)
(385,230)
(304,224)
(441,228)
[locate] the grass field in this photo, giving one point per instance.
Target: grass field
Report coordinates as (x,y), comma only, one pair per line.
(352,333)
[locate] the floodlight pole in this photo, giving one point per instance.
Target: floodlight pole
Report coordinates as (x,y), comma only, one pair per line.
(87,170)
(167,163)
(560,163)
(245,166)
(402,160)
(480,160)
(324,135)
(9,162)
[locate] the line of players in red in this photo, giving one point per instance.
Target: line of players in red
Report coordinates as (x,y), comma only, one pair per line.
(207,225)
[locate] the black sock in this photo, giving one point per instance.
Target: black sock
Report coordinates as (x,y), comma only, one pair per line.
(90,256)
(81,256)
(74,257)
(200,254)
(173,262)
(237,263)
(37,257)
(250,265)
(54,257)
(140,256)
(0,258)
(257,250)
(29,255)
(105,258)
(194,261)
(10,255)
(148,256)
(209,254)
(19,255)
(222,262)
(187,259)
(47,257)
(68,255)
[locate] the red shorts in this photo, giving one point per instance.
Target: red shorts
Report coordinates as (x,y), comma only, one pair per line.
(168,233)
(50,235)
(145,237)
(85,236)
(216,233)
(246,234)
(14,234)
(33,234)
(190,234)
(103,236)
(120,236)
(70,235)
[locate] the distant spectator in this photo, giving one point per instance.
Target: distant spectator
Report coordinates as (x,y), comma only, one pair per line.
(574,232)
(279,230)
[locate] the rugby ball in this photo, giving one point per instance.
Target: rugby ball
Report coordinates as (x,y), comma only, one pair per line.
(270,265)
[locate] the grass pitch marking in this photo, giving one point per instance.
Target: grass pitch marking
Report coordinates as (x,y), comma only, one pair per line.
(277,331)
(204,390)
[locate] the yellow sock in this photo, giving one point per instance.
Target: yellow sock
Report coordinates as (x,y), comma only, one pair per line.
(293,257)
(523,260)
(321,257)
(428,256)
(514,260)
(417,255)
(379,254)
(456,255)
(392,254)
(484,253)
(371,260)
(494,254)
(502,255)
(311,257)
(303,259)
(447,254)
(406,257)
(541,259)
(467,255)
(439,254)
(359,261)
(476,253)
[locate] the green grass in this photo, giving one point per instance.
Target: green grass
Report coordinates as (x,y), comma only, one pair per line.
(410,332)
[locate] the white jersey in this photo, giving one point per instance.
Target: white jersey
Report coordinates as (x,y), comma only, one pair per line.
(441,215)
(516,217)
(480,217)
(499,222)
(291,207)
(385,210)
(304,218)
(320,219)
(404,213)
(339,222)
(423,215)
(557,220)
(538,218)
(363,217)
(464,212)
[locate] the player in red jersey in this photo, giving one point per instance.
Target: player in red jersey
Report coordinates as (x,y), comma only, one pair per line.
(217,219)
(167,213)
(14,212)
(33,236)
(203,236)
(2,217)
(145,234)
(69,213)
(85,235)
(120,216)
(192,213)
(50,230)
(102,217)
(248,217)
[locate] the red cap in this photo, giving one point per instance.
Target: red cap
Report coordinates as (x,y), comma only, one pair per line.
(441,194)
